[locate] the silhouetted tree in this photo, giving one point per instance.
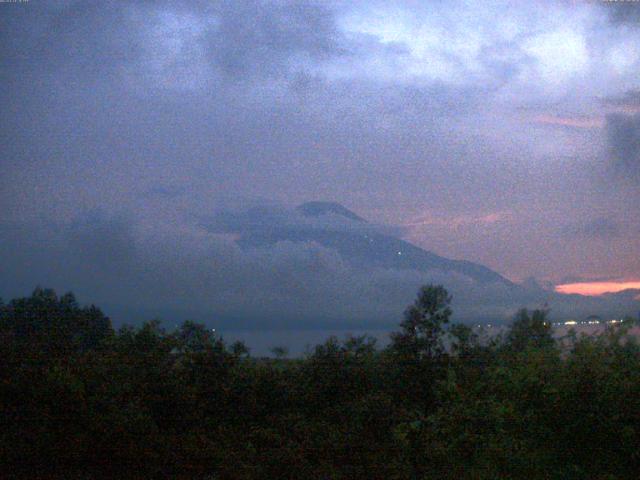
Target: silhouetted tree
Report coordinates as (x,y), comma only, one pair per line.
(44,325)
(280,352)
(192,337)
(422,327)
(530,330)
(359,345)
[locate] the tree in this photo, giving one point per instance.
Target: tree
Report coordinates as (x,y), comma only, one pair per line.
(194,337)
(239,349)
(51,326)
(422,327)
(280,352)
(530,330)
(359,345)
(463,339)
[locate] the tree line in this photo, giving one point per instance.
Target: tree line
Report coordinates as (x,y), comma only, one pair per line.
(81,400)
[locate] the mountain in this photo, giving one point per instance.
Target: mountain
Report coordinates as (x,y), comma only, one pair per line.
(361,243)
(316,209)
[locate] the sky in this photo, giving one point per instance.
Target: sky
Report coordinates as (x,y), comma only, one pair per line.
(503,133)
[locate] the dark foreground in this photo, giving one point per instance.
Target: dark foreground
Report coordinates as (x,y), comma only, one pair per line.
(78,400)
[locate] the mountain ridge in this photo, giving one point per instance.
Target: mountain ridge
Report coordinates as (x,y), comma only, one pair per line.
(366,247)
(318,208)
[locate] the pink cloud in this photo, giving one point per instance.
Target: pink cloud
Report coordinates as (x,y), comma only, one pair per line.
(597,288)
(575,122)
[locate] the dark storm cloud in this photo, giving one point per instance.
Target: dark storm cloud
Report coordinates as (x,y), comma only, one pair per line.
(91,41)
(165,191)
(630,98)
(623,135)
(85,40)
(597,228)
(102,241)
(259,38)
(623,12)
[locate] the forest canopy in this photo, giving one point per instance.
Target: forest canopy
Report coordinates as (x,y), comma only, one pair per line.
(441,400)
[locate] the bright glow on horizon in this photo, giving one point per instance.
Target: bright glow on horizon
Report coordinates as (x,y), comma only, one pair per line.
(596,288)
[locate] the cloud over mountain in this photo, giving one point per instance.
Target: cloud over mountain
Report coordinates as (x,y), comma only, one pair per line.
(237,276)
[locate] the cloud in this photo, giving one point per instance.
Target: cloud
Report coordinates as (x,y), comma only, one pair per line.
(578,279)
(631,99)
(623,136)
(570,122)
(165,191)
(102,242)
(77,40)
(598,228)
(266,39)
(597,288)
(178,271)
(623,13)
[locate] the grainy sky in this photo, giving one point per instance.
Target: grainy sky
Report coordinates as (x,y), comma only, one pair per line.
(504,133)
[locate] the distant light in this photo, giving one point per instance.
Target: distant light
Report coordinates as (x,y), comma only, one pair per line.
(399,253)
(570,322)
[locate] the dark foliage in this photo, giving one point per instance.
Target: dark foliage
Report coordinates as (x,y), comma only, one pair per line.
(78,400)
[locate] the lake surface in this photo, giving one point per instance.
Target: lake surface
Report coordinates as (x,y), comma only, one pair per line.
(261,342)
(298,342)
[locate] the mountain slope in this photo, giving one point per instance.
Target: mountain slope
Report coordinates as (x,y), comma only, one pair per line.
(316,209)
(364,247)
